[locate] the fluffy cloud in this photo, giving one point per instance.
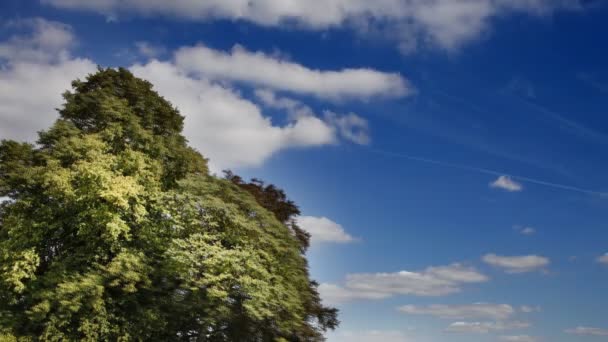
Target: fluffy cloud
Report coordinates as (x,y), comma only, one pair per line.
(38,40)
(506,183)
(36,68)
(587,331)
(232,130)
(432,281)
(517,264)
(447,24)
(518,338)
(473,311)
(322,229)
(274,72)
(227,128)
(603,259)
(484,327)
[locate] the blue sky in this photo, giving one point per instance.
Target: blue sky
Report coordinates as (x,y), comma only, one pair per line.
(449,156)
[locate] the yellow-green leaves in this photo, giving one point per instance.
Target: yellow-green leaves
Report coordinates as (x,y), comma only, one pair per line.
(19,268)
(128,271)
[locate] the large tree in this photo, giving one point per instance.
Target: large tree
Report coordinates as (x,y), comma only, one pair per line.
(114,230)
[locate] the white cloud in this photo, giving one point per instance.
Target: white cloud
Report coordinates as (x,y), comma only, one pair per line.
(473,311)
(506,183)
(350,127)
(233,131)
(447,24)
(322,229)
(274,72)
(587,331)
(518,338)
(525,230)
(517,264)
(293,107)
(484,327)
(225,127)
(36,69)
(38,40)
(432,281)
(335,294)
(603,259)
(529,309)
(150,50)
(368,336)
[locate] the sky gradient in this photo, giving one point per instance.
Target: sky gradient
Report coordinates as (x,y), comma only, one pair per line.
(449,156)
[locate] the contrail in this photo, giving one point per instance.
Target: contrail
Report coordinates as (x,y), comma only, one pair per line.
(489,172)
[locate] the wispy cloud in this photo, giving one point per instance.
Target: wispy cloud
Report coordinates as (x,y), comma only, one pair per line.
(517,264)
(471,311)
(488,171)
(484,327)
(529,309)
(518,338)
(150,50)
(587,331)
(432,281)
(603,259)
(369,336)
(521,86)
(591,80)
(350,127)
(568,124)
(525,230)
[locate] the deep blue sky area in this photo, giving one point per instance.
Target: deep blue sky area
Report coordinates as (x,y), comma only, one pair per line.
(450,153)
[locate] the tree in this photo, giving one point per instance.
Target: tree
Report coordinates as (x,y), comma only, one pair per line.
(276,201)
(115,231)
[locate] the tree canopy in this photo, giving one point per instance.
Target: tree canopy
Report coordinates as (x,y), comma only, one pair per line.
(115,231)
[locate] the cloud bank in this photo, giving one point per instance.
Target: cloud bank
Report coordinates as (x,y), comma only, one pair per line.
(232,130)
(443,24)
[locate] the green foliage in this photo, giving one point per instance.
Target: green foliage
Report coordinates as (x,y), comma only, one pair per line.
(276,201)
(115,232)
